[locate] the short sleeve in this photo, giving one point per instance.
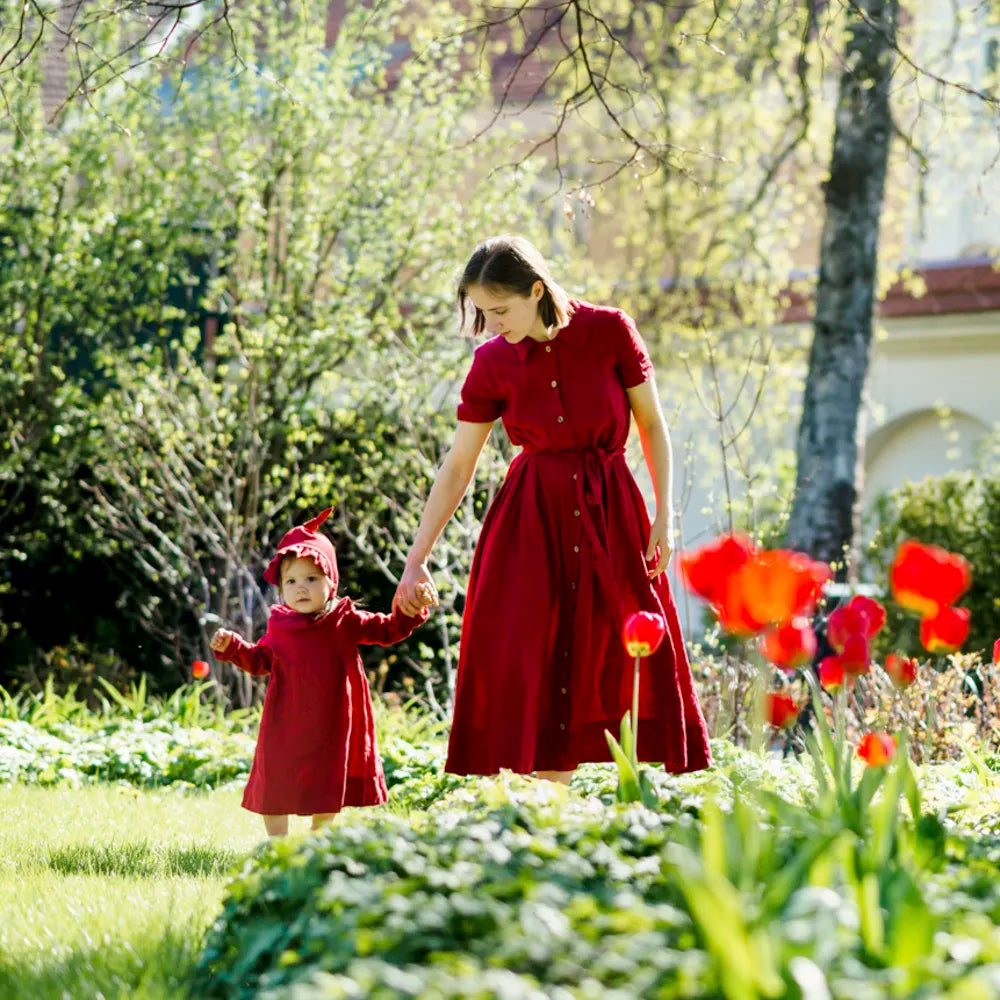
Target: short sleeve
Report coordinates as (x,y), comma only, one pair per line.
(480,403)
(631,357)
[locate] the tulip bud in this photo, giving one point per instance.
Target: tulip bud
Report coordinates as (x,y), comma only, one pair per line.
(876,749)
(781,710)
(643,632)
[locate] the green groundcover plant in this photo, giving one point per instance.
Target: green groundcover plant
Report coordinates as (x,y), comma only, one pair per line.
(512,888)
(853,887)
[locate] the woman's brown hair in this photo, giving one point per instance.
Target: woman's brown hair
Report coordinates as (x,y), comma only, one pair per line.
(512,264)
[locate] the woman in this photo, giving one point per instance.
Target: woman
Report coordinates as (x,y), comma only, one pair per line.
(567,551)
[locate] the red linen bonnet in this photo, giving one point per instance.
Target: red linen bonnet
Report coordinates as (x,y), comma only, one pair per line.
(305,541)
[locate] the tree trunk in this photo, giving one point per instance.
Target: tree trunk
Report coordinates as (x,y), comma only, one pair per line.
(828,479)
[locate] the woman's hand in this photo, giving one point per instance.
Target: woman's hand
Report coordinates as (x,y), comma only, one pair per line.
(415,590)
(221,639)
(661,544)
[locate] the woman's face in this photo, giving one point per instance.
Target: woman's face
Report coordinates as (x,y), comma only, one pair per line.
(512,316)
(303,585)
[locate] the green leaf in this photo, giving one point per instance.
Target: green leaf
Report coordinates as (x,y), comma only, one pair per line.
(870,912)
(629,789)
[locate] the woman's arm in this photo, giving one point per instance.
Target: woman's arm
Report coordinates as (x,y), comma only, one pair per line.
(655,440)
(449,487)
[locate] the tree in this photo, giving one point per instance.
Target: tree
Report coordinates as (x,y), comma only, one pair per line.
(827,486)
(621,68)
(323,196)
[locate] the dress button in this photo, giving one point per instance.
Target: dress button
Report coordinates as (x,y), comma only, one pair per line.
(576,513)
(576,548)
(574,475)
(564,690)
(548,349)
(560,419)
(572,586)
(565,657)
(562,725)
(554,383)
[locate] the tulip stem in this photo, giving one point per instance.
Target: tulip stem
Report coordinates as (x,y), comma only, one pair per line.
(635,712)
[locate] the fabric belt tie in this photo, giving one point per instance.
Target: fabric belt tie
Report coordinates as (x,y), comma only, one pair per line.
(592,464)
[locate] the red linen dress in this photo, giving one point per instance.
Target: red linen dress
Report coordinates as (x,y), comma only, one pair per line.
(560,564)
(316,749)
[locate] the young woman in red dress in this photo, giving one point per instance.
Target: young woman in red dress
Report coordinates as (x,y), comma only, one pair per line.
(316,751)
(567,550)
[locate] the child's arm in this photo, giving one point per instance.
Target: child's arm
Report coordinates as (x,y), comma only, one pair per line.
(384,630)
(230,647)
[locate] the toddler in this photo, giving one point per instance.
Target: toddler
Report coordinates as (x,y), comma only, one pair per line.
(316,750)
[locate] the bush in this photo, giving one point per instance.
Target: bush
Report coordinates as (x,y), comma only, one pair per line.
(557,892)
(960,512)
(151,459)
(514,889)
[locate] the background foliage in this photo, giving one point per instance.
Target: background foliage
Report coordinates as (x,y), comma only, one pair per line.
(226,296)
(960,512)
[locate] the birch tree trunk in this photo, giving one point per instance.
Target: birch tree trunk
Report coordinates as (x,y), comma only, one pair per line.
(829,470)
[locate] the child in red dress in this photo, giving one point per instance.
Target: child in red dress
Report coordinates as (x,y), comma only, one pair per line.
(316,750)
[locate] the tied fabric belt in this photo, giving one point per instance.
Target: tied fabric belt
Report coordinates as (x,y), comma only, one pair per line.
(591,465)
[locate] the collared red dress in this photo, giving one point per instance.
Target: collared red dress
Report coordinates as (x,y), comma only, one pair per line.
(560,564)
(316,748)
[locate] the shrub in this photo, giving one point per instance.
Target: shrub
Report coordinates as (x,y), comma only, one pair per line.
(511,888)
(961,513)
(558,892)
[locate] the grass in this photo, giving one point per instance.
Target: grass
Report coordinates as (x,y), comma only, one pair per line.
(107,891)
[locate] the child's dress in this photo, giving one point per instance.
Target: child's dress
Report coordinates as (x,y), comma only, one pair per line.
(316,750)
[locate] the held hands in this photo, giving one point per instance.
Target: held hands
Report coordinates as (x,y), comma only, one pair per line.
(415,591)
(221,639)
(661,544)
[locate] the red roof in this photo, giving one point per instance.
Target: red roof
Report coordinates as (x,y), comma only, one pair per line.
(958,286)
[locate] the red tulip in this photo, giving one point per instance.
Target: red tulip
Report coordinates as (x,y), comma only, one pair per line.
(996,652)
(706,570)
(926,578)
(946,631)
(772,588)
(870,610)
(831,673)
(876,749)
(856,655)
(643,632)
(735,615)
(199,670)
(781,710)
(901,669)
(860,616)
(790,645)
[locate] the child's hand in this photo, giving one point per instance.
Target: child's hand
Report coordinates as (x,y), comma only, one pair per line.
(426,595)
(221,639)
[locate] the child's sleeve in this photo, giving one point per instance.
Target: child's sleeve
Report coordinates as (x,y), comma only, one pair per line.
(375,629)
(254,658)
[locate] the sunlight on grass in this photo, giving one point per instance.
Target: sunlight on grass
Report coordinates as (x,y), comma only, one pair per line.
(84,936)
(107,891)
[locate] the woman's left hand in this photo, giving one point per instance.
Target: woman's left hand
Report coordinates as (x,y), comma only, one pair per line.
(661,545)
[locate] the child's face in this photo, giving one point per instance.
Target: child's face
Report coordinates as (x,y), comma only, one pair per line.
(303,585)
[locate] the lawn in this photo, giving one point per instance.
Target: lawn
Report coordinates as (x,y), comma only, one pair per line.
(107,890)
(123,874)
